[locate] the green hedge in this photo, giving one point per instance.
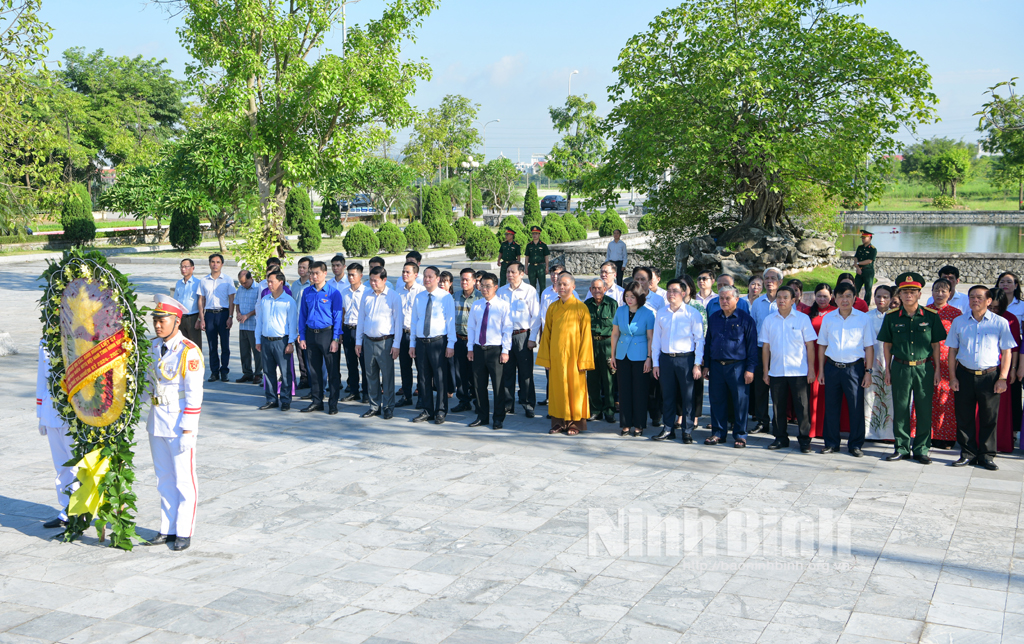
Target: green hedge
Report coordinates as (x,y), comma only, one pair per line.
(463,226)
(482,245)
(417,236)
(76,217)
(556,229)
(310,237)
(646,224)
(296,206)
(185,233)
(441,233)
(361,241)
(531,207)
(610,222)
(392,239)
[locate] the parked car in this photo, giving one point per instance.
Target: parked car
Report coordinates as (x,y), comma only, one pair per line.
(359,201)
(553,202)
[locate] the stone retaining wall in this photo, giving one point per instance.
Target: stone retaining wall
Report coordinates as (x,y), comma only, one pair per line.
(585,257)
(975,268)
(494,220)
(934,217)
(53,242)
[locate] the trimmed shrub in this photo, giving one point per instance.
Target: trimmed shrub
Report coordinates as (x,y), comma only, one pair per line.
(441,233)
(295,207)
(531,207)
(511,221)
(392,239)
(438,206)
(556,230)
(330,218)
(575,230)
(610,222)
(76,216)
(416,236)
(482,244)
(361,241)
(309,233)
(184,230)
(584,220)
(463,226)
(646,224)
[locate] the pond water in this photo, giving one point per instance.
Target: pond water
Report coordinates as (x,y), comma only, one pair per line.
(979,238)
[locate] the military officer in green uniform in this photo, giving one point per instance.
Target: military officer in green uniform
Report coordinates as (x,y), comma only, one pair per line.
(536,260)
(910,337)
(864,259)
(599,380)
(509,253)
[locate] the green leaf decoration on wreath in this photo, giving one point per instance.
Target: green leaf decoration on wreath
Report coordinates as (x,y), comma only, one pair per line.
(99,355)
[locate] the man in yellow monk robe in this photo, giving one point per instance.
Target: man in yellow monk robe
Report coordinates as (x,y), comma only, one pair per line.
(566,350)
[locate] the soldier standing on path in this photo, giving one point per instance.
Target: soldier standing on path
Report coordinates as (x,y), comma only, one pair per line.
(864,259)
(911,336)
(508,254)
(537,255)
(599,381)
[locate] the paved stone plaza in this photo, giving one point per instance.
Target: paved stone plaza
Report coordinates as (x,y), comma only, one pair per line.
(318,529)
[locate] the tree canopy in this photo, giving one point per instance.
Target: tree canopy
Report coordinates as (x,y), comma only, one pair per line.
(443,137)
(725,104)
(581,148)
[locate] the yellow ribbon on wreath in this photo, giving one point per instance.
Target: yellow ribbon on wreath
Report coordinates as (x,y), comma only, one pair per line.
(88,498)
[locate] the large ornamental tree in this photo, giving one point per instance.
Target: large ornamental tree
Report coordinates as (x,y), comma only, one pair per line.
(725,105)
(309,112)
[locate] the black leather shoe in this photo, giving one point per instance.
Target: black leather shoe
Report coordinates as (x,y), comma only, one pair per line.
(805,450)
(543,402)
(530,413)
(829,450)
(923,459)
(687,439)
(477,423)
(609,418)
(657,423)
(857,452)
(896,456)
(258,380)
(224,378)
(350,398)
(594,418)
(988,465)
(439,419)
(306,397)
(405,402)
(758,428)
(332,412)
(303,384)
(370,413)
(285,407)
(496,425)
(366,400)
(181,544)
(270,405)
(461,407)
(388,414)
(962,461)
(311,408)
(510,412)
(55,523)
(664,435)
(161,539)
(778,445)
(245,379)
(423,417)
(213,379)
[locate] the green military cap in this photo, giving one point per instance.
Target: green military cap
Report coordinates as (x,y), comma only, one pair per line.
(865,233)
(534,229)
(909,280)
(509,230)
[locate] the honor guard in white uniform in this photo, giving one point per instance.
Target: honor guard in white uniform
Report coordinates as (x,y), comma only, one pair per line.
(55,429)
(176,387)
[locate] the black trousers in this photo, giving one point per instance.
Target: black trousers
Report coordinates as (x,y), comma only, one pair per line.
(465,374)
(520,359)
(977,411)
(782,387)
(189,330)
(432,363)
(697,403)
(618,271)
(405,366)
(840,383)
(218,333)
(487,364)
(354,363)
(318,348)
(677,389)
(759,395)
(655,401)
(633,390)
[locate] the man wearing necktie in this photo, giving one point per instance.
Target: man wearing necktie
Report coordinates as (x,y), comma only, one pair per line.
(431,343)
(490,327)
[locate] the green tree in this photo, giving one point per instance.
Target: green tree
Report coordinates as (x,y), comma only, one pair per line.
(141,192)
(731,101)
(438,207)
(1002,122)
(482,245)
(417,236)
(1006,174)
(441,233)
(531,206)
(392,239)
(310,236)
(581,148)
(308,112)
(463,227)
(76,217)
(387,183)
(295,208)
(361,241)
(185,229)
(950,168)
(330,217)
(498,179)
(443,138)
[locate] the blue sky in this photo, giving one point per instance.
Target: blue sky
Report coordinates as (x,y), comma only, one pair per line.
(514,59)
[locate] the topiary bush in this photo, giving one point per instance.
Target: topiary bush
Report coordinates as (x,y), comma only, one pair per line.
(610,222)
(511,221)
(573,227)
(295,207)
(531,207)
(482,244)
(76,216)
(438,206)
(361,241)
(584,220)
(330,218)
(441,233)
(556,230)
(392,239)
(646,223)
(310,237)
(185,233)
(416,236)
(463,226)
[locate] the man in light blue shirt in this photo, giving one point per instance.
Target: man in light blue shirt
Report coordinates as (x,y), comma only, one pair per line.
(246,297)
(276,331)
(186,292)
(980,347)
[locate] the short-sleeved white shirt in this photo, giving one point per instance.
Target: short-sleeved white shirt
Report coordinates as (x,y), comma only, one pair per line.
(845,339)
(787,337)
(216,291)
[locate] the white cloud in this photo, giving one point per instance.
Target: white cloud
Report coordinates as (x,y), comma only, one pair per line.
(506,69)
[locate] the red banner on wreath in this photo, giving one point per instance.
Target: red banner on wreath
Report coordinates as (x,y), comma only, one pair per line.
(103,356)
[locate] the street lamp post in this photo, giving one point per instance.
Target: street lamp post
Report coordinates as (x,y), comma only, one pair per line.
(483,134)
(469,165)
(575,71)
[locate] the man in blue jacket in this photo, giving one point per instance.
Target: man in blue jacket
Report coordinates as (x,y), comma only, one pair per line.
(730,358)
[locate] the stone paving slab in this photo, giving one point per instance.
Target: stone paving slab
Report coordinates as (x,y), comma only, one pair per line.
(338,529)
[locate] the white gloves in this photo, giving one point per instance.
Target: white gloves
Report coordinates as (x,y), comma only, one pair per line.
(187,442)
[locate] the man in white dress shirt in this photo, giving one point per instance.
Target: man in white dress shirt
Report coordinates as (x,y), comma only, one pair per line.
(617,254)
(608,277)
(787,339)
(216,299)
(848,336)
(490,335)
(956,299)
(339,279)
(380,321)
(677,352)
(644,276)
(763,307)
(352,298)
(524,309)
(298,286)
(277,329)
(55,429)
(432,343)
(408,289)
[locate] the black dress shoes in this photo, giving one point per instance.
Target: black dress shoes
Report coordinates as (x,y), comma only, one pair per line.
(161,539)
(829,450)
(988,465)
(461,407)
(422,418)
(530,413)
(285,407)
(477,423)
(388,414)
(55,523)
(962,461)
(350,398)
(687,439)
(896,456)
(332,412)
(664,435)
(366,400)
(213,379)
(224,378)
(245,379)
(857,452)
(543,402)
(181,544)
(805,450)
(439,419)
(370,413)
(311,408)
(405,402)
(923,459)
(496,425)
(758,428)
(778,445)
(271,405)
(609,418)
